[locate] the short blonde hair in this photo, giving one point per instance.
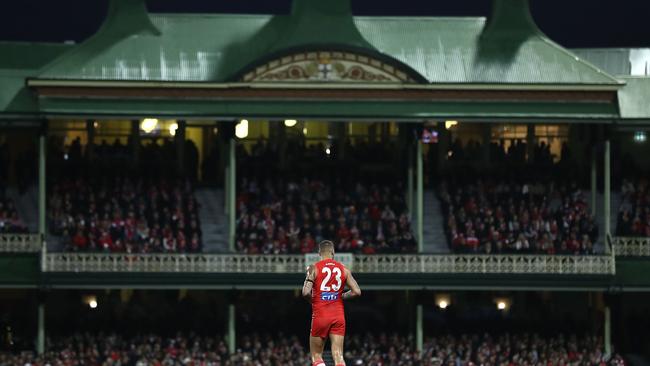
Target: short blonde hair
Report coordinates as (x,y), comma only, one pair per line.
(326,245)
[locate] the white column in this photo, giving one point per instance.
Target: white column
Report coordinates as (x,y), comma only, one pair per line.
(232,193)
(40,336)
(607,193)
(419,199)
(42,199)
(594,182)
(409,188)
(231,328)
(608,331)
(419,330)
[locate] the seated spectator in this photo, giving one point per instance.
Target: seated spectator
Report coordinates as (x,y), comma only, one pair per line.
(292,217)
(10,223)
(121,215)
(369,349)
(634,211)
(501,217)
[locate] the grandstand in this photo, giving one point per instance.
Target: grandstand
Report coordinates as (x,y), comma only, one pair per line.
(162,190)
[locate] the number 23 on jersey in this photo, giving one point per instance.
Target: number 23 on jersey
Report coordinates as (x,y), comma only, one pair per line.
(329,283)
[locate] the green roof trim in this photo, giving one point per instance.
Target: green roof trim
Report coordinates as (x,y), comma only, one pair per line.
(332,109)
(509,49)
(634,98)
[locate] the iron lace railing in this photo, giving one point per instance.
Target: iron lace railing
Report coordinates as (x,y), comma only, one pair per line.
(407,263)
(631,247)
(20,243)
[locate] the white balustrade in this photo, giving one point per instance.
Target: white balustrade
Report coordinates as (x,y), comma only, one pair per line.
(631,247)
(20,243)
(237,263)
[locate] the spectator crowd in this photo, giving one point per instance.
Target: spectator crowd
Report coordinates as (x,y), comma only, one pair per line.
(10,222)
(120,214)
(516,153)
(506,217)
(286,216)
(374,350)
(634,212)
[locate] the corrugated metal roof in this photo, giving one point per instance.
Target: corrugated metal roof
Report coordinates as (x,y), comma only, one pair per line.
(21,60)
(616,61)
(453,50)
(29,55)
(218,48)
(190,48)
(634,98)
(14,96)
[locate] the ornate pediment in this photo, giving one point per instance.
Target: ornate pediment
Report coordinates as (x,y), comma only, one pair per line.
(327,66)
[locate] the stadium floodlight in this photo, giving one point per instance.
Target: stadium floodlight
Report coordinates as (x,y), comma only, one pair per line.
(304,131)
(450,124)
(149,124)
(241,129)
(640,136)
(443,301)
(328,151)
(290,122)
(91,301)
(503,304)
(172,128)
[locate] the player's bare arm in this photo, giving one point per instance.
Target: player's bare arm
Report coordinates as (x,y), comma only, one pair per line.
(354,289)
(309,282)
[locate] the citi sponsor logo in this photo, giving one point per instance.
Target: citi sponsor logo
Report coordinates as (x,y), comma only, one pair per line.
(329,296)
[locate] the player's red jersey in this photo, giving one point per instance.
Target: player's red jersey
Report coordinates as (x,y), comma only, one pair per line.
(326,302)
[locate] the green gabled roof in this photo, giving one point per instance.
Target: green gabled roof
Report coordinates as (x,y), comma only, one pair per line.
(19,61)
(634,98)
(15,98)
(218,48)
(29,55)
(615,61)
(189,48)
(455,50)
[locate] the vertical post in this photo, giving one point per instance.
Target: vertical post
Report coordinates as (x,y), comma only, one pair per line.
(40,336)
(90,145)
(486,131)
(443,146)
(594,186)
(530,142)
(608,331)
(180,146)
(409,182)
(226,190)
(420,197)
(231,328)
(419,329)
(42,151)
(232,192)
(607,194)
(135,141)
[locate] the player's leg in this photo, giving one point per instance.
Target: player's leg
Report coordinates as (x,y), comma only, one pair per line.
(316,347)
(317,338)
(337,349)
(337,336)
